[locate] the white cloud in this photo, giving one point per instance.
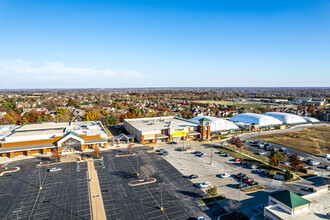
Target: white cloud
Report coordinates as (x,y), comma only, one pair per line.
(55,70)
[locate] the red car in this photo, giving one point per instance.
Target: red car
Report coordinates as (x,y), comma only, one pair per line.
(248,180)
(237,160)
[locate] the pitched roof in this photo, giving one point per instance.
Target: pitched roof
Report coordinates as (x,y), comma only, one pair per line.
(289,198)
(204,119)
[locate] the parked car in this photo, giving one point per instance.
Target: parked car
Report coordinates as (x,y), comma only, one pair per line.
(203,185)
(269,147)
(221,152)
(253,183)
(197,152)
(241,185)
(326,156)
(282,149)
(261,145)
(164,153)
(252,166)
(193,176)
(248,180)
(237,160)
(201,155)
(54,169)
(240,175)
(161,150)
(275,149)
(300,158)
(312,162)
(287,154)
(261,153)
(173,142)
(225,175)
(227,155)
(327,167)
(181,149)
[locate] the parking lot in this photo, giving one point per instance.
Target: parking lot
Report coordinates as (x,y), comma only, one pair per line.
(318,168)
(64,194)
(177,196)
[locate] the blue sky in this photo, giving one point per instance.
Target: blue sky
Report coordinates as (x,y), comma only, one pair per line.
(162,43)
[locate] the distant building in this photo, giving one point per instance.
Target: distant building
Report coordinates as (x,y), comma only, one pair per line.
(43,137)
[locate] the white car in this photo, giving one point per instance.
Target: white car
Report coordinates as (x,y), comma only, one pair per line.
(313,162)
(225,175)
(203,185)
(300,158)
(54,169)
(261,153)
(327,156)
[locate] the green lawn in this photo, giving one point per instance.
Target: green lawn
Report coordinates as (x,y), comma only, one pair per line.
(252,188)
(212,199)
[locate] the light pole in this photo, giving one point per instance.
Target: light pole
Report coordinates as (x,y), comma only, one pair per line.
(17,211)
(137,166)
(40,187)
(96,205)
(161,196)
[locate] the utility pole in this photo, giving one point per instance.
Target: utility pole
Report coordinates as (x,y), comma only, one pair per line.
(40,187)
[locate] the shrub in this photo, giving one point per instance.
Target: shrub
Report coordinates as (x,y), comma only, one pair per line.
(212,191)
(287,175)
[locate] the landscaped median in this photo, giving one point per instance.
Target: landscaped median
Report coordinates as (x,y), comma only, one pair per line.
(251,189)
(125,154)
(141,182)
(9,170)
(208,200)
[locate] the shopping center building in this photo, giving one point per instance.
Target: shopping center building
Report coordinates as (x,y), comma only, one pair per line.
(162,129)
(43,137)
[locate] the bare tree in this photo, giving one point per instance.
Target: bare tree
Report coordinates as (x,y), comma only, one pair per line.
(130,147)
(147,171)
(232,206)
(96,152)
(55,154)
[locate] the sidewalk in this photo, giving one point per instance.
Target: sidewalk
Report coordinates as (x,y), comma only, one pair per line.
(98,211)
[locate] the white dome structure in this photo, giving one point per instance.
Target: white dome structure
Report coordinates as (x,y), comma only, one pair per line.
(310,119)
(258,119)
(287,118)
(217,124)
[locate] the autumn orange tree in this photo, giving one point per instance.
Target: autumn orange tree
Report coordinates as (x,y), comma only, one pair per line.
(96,152)
(55,154)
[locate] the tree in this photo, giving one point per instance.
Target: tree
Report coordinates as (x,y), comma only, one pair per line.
(273,161)
(212,191)
(91,116)
(287,175)
(295,162)
(277,153)
(111,120)
(130,147)
(55,154)
(96,152)
(147,171)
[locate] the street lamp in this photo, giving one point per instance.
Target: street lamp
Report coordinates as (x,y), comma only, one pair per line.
(137,166)
(40,186)
(17,211)
(161,196)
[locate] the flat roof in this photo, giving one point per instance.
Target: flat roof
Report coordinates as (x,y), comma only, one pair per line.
(43,126)
(159,123)
(37,132)
(26,147)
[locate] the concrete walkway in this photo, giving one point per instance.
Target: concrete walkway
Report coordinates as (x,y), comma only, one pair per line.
(98,211)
